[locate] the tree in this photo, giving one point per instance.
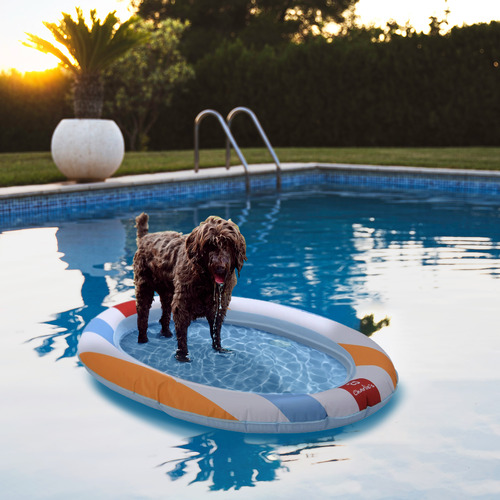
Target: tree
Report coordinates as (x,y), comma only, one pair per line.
(90,50)
(255,22)
(141,83)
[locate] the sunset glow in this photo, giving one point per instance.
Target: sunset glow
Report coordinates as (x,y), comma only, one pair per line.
(418,13)
(29,17)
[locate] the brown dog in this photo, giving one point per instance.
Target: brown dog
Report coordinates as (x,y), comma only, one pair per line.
(194,275)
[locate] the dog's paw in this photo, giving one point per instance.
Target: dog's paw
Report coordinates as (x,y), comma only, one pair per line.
(182,357)
(221,350)
(142,339)
(167,334)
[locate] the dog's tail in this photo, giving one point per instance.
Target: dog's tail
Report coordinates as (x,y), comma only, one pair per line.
(141,223)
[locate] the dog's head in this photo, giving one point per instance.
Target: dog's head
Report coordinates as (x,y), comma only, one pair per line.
(217,246)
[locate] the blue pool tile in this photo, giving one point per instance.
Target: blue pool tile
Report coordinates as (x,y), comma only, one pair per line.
(40,208)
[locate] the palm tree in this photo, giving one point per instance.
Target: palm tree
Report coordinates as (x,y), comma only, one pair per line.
(91,50)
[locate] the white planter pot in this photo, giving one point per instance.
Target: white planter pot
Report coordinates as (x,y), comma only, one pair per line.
(87,150)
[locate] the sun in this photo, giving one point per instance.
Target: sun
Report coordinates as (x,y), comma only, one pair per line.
(27,60)
(30,19)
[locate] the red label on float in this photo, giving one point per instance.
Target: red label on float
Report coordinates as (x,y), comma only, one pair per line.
(127,308)
(364,392)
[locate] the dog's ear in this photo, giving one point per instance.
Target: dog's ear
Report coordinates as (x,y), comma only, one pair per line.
(239,247)
(193,245)
(241,255)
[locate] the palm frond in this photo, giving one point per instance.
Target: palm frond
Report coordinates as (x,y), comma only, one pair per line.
(46,47)
(76,35)
(100,36)
(93,48)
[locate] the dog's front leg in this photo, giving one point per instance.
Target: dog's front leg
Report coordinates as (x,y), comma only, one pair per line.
(181,333)
(215,322)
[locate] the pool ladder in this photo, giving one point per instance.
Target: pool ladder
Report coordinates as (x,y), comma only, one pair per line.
(230,141)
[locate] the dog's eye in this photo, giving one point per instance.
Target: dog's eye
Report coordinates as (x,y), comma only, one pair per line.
(209,248)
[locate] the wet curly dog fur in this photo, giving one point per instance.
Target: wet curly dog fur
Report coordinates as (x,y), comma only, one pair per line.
(188,272)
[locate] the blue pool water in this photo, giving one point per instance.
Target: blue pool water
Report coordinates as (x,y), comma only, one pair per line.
(429,261)
(258,362)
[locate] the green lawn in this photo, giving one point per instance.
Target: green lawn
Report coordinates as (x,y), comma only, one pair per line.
(38,168)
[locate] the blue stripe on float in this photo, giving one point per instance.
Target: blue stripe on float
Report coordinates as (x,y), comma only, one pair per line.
(99,326)
(297,407)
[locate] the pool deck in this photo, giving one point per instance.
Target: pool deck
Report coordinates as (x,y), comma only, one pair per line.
(219,173)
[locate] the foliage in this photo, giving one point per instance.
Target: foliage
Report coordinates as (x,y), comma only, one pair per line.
(256,22)
(417,90)
(362,89)
(32,104)
(91,50)
(368,327)
(141,82)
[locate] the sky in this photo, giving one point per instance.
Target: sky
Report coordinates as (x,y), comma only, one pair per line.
(28,15)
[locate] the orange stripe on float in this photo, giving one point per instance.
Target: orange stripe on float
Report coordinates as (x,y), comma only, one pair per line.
(366,356)
(153,385)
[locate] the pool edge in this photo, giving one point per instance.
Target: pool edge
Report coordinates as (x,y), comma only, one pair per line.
(41,203)
(234,172)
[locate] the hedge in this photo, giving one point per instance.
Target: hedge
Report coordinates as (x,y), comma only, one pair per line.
(419,90)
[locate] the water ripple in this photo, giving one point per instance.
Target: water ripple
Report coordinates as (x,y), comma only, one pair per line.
(259,361)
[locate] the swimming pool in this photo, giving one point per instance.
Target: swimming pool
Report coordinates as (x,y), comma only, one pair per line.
(429,260)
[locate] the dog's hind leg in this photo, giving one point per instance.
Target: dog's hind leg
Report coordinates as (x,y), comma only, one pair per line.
(166,306)
(144,299)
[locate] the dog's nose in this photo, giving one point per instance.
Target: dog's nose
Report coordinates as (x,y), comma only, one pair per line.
(220,270)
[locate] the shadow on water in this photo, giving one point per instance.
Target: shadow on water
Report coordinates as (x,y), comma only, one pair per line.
(227,460)
(230,460)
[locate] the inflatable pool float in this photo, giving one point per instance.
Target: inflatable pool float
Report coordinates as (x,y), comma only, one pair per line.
(370,381)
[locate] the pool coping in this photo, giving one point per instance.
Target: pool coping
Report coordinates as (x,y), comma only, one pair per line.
(237,171)
(42,203)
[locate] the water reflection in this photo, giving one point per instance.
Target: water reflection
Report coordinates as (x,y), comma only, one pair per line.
(421,262)
(227,461)
(224,460)
(35,283)
(94,292)
(332,257)
(96,249)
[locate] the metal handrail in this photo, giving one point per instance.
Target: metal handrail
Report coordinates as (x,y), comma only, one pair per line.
(263,135)
(230,140)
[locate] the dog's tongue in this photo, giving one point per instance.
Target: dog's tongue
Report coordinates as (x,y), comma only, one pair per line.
(219,279)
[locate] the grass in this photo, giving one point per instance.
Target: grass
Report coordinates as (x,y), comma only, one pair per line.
(18,169)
